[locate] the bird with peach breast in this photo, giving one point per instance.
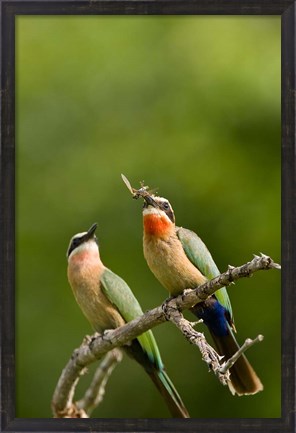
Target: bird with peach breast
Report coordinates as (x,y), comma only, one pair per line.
(180,260)
(108,303)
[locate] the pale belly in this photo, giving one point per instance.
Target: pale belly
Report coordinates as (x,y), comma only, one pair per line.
(94,304)
(170,265)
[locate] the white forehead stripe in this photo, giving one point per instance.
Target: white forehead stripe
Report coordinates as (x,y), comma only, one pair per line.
(89,246)
(156,198)
(78,235)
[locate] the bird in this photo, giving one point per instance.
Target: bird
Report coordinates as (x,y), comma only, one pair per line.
(108,303)
(180,260)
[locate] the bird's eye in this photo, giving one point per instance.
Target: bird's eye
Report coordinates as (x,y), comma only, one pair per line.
(76,242)
(166,205)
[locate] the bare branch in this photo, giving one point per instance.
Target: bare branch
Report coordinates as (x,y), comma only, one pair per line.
(208,353)
(96,391)
(62,402)
(192,297)
(247,344)
(94,348)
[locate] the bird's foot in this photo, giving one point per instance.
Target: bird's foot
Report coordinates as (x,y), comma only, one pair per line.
(91,339)
(167,308)
(105,335)
(185,293)
(87,339)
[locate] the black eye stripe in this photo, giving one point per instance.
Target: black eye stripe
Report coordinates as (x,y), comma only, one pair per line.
(74,244)
(170,214)
(168,210)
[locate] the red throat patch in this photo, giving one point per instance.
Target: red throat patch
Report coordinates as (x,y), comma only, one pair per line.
(156,225)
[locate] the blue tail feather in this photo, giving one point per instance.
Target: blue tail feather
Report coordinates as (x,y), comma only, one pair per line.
(214,316)
(243,379)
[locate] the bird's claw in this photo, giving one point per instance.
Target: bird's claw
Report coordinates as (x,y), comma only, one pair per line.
(106,333)
(166,307)
(91,339)
(86,339)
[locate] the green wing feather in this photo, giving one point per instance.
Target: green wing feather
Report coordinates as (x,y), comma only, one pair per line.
(200,256)
(121,296)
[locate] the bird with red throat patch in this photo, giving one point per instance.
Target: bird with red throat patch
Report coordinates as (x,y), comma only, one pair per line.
(180,260)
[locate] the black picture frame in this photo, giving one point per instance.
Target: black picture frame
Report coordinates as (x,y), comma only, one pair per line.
(9,9)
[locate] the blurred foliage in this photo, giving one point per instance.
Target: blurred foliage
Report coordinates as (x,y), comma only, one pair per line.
(192,106)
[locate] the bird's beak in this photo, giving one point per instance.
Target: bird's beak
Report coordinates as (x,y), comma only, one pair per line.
(150,201)
(91,231)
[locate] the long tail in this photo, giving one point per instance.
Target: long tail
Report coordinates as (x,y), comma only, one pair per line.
(161,380)
(243,379)
(165,386)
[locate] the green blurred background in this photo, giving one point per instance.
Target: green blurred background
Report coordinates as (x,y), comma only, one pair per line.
(192,106)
